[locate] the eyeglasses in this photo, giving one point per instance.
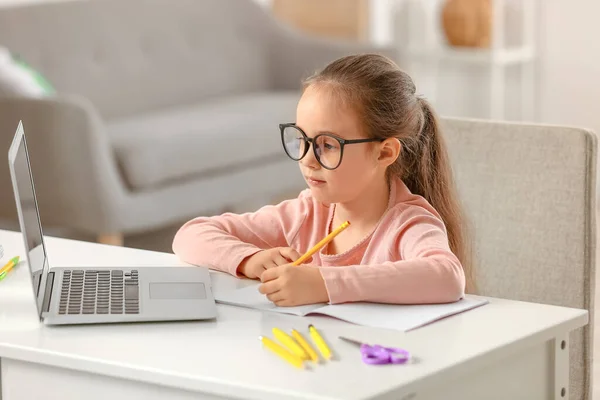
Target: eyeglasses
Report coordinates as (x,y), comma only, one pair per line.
(328,149)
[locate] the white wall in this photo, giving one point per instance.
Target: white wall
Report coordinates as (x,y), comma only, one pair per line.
(568,68)
(570,63)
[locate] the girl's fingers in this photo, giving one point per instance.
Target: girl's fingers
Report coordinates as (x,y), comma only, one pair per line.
(289,253)
(275,297)
(280,260)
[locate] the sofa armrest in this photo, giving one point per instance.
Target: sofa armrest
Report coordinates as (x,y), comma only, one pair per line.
(294,55)
(77,182)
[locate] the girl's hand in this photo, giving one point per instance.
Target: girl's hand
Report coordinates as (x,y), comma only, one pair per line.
(289,285)
(254,266)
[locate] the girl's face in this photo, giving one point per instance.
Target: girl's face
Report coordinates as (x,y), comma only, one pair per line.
(320,111)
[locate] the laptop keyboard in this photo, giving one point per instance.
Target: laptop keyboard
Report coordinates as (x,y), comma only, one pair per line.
(86,291)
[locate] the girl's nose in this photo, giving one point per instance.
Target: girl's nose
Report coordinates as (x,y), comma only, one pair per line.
(310,160)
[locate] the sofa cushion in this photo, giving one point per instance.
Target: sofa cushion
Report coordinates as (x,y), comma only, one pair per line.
(206,138)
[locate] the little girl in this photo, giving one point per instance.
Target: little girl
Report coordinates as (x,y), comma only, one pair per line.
(371,153)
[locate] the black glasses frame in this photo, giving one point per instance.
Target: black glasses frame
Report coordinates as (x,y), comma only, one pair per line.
(308,141)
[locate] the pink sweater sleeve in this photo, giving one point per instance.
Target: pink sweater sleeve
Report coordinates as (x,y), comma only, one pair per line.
(427,271)
(223,242)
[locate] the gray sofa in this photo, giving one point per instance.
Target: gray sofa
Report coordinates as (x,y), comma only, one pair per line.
(166,109)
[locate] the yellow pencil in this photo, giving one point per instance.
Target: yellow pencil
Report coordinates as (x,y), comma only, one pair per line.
(321,345)
(281,352)
(10,264)
(290,343)
(305,345)
(321,244)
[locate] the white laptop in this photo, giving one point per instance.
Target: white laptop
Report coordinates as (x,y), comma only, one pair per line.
(103,294)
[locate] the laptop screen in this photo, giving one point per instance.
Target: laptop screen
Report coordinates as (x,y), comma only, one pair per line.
(28,210)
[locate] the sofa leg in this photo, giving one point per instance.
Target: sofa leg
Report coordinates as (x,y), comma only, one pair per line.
(114,239)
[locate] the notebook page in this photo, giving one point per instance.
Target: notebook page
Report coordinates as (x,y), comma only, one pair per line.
(377,315)
(399,317)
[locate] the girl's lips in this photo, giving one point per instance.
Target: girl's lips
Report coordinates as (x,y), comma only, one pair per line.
(314,182)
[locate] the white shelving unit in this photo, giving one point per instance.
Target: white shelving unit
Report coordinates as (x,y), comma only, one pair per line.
(495,59)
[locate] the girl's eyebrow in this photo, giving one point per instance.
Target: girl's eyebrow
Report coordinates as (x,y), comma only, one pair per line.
(320,132)
(329,133)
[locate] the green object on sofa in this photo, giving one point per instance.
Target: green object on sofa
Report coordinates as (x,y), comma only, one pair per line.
(42,82)
(19,78)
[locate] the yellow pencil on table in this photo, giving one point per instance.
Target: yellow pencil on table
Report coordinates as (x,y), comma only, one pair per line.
(282,352)
(10,265)
(290,343)
(305,345)
(321,345)
(321,244)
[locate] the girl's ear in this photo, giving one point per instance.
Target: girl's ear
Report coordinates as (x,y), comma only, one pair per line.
(389,151)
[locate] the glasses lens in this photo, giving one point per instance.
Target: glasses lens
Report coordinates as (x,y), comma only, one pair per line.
(329,151)
(293,142)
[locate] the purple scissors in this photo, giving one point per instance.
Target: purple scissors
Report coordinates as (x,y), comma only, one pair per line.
(376,354)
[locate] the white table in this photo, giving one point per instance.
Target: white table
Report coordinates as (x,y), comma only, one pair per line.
(503,350)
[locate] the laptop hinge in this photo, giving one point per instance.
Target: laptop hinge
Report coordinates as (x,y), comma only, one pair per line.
(48,292)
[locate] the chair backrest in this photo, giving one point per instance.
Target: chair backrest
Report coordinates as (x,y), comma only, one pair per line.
(138,55)
(529,192)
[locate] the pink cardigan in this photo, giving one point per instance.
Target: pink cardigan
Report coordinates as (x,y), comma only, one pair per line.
(405,260)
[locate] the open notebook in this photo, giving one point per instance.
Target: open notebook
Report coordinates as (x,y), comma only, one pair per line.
(391,316)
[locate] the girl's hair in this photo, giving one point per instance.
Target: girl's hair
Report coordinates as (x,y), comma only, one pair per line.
(384,95)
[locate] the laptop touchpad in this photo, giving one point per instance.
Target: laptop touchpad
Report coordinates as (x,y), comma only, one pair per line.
(177,291)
